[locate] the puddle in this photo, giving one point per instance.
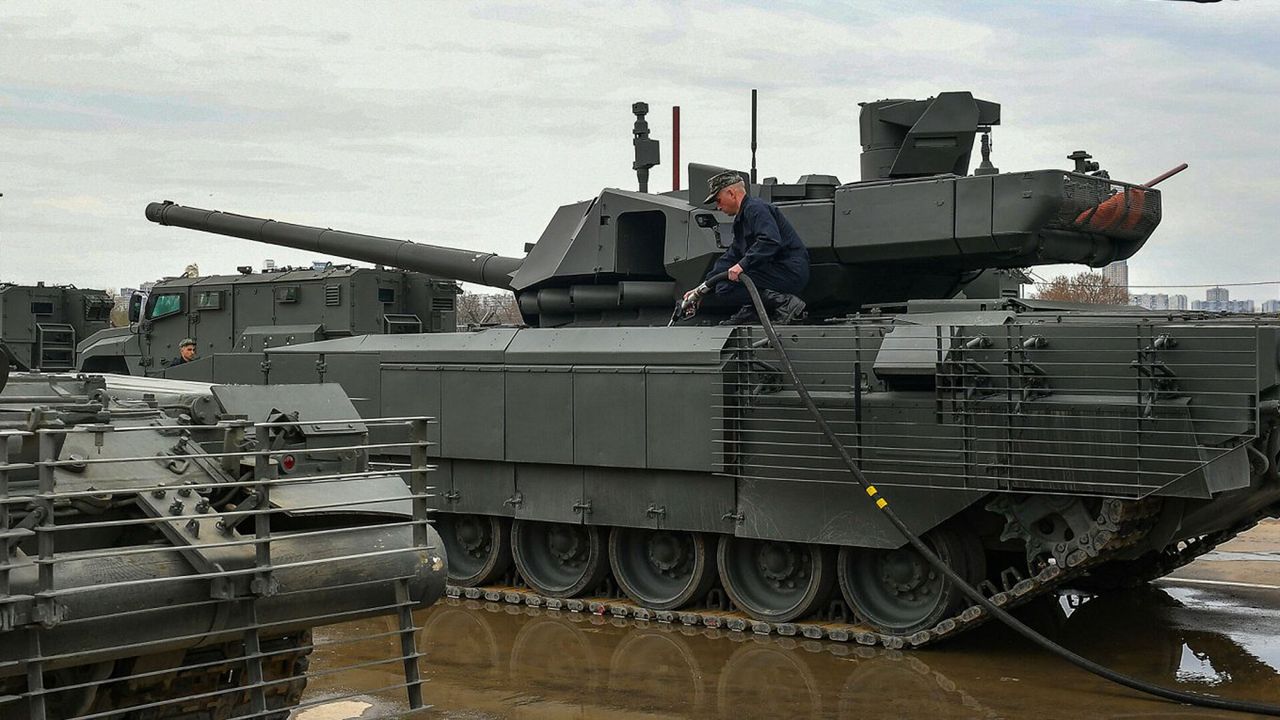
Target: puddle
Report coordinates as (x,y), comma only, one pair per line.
(486,660)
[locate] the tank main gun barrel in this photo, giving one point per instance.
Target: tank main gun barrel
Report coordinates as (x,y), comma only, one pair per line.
(466,265)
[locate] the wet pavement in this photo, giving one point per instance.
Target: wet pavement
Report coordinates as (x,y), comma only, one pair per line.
(1215,628)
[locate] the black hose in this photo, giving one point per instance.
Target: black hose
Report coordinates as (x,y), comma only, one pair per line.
(996,611)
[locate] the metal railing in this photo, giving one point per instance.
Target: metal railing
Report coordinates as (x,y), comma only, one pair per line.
(189,582)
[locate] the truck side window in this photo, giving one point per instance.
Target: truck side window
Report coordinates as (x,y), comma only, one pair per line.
(165,305)
(209,300)
(97,310)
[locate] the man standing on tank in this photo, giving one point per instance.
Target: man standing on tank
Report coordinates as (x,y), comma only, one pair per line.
(766,247)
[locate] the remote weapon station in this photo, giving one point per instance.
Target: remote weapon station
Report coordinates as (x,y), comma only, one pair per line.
(600,458)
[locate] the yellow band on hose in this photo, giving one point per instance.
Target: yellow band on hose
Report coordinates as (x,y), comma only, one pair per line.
(871,490)
(881,503)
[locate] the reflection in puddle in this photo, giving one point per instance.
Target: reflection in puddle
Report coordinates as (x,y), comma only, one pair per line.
(486,660)
(1198,668)
(772,682)
(1194,637)
(665,660)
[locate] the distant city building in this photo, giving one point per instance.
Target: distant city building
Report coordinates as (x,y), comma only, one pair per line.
(1232,306)
(1271,306)
(268,265)
(1117,273)
(1159,301)
(1218,299)
(1150,301)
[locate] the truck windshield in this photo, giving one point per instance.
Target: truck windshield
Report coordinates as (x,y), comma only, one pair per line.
(165,305)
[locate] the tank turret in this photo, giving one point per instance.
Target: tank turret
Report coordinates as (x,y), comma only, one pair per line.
(917,226)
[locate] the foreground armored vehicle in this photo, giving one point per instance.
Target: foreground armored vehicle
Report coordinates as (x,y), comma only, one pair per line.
(1032,444)
(40,324)
(253,311)
(168,547)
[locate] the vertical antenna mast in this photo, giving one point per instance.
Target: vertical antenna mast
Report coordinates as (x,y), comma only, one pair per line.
(646,147)
(675,148)
(753,136)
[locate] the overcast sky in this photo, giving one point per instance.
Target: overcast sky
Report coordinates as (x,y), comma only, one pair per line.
(467,124)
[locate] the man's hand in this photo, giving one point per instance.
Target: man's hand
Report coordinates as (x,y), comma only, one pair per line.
(692,299)
(735,271)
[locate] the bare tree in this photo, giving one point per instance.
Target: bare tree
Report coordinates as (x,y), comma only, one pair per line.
(1086,287)
(120,311)
(487,309)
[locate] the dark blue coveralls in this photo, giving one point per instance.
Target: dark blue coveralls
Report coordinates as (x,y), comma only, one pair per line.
(767,248)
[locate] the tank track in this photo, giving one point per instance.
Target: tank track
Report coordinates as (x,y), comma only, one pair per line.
(1134,573)
(204,687)
(1119,525)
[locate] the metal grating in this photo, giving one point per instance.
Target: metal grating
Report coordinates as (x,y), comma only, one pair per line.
(1098,408)
(153,567)
(1112,208)
(332,295)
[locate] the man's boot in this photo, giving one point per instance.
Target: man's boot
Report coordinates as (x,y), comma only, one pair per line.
(746,315)
(784,308)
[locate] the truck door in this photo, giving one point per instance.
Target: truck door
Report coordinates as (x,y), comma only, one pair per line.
(167,324)
(211,325)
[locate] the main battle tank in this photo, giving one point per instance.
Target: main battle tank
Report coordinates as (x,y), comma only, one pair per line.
(673,473)
(167,547)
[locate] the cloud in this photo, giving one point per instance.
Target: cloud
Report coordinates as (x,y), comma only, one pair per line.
(468,124)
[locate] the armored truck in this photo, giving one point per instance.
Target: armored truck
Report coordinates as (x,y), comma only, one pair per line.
(600,458)
(250,312)
(40,325)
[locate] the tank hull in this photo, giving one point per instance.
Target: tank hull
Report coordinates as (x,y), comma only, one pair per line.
(984,424)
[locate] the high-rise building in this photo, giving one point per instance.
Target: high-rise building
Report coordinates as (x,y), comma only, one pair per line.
(1217,294)
(1177,302)
(1117,273)
(1271,306)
